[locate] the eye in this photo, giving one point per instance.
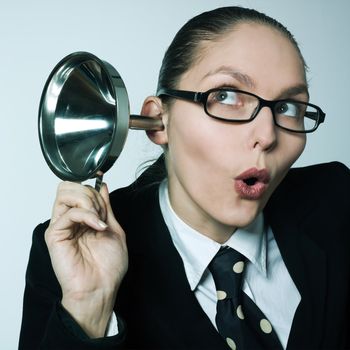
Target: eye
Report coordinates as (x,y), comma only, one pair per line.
(288,109)
(226,97)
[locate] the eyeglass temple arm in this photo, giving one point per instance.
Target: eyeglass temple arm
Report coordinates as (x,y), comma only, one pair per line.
(316,116)
(186,95)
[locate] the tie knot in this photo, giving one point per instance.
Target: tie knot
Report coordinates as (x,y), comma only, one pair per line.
(227,269)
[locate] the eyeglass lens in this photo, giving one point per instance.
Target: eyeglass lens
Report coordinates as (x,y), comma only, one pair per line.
(239,106)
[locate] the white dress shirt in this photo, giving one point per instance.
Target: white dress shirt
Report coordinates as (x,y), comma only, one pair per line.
(266,280)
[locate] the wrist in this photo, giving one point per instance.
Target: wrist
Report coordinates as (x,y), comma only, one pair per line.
(92,311)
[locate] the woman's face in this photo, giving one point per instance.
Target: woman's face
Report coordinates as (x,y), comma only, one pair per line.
(207,157)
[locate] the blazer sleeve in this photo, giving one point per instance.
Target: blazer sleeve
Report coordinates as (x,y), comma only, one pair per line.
(45,324)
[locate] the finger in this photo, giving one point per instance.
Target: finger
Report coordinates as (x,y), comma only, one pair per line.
(101,206)
(67,222)
(70,195)
(71,199)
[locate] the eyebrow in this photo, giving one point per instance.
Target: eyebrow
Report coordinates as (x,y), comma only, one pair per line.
(295,90)
(241,77)
(249,82)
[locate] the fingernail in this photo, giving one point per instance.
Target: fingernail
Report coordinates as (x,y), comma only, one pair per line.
(102,224)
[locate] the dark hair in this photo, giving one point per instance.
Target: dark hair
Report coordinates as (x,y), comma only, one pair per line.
(207,26)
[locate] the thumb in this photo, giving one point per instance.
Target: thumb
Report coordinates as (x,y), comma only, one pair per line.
(111,220)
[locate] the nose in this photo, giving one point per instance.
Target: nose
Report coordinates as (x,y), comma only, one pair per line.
(264,130)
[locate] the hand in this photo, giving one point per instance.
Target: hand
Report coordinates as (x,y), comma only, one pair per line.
(88,254)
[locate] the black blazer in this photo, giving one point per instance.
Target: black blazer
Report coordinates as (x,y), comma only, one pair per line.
(309,215)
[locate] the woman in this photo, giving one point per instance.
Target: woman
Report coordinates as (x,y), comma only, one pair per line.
(234,102)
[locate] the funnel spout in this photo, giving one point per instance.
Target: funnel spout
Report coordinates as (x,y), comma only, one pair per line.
(139,122)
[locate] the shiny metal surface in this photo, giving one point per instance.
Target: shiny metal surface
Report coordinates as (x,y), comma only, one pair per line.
(84,117)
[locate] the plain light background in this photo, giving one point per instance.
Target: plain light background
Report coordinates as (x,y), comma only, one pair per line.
(132,36)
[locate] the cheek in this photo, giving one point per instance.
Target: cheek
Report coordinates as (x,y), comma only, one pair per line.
(291,147)
(200,143)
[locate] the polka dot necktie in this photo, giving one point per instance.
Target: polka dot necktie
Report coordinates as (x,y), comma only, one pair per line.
(239,321)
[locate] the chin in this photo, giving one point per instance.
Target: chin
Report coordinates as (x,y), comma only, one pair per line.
(242,216)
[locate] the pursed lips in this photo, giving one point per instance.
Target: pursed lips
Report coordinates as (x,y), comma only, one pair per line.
(252,183)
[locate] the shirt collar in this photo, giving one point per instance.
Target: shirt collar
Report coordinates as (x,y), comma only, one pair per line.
(197,250)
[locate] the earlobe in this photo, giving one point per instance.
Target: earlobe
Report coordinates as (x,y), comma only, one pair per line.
(153,108)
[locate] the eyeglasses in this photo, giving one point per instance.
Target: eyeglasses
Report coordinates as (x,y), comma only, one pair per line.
(234,105)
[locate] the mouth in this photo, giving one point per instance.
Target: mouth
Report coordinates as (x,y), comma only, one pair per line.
(252,183)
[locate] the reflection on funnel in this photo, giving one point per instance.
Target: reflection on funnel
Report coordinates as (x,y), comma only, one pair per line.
(65,126)
(83,142)
(84,117)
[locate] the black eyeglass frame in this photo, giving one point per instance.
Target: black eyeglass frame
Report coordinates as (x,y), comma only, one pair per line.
(202,97)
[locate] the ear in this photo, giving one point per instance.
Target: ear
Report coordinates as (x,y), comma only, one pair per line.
(153,108)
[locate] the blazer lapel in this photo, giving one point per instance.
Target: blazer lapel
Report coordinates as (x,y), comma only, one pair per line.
(175,314)
(187,316)
(307,265)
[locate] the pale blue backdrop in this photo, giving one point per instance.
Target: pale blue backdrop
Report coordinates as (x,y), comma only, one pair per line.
(132,36)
